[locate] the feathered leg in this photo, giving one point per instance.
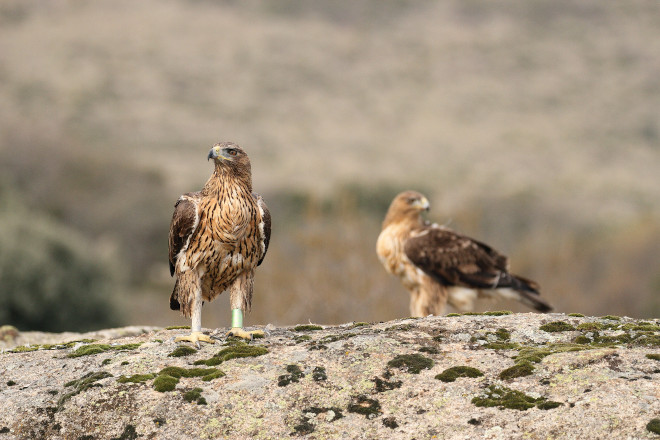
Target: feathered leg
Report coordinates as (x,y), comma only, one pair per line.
(241,299)
(191,300)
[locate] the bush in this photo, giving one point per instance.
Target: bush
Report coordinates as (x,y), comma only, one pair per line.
(51,279)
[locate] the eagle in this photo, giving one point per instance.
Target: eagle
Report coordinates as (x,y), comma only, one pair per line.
(218,236)
(439,266)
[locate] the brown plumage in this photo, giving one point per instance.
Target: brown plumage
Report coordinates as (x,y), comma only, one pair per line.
(439,266)
(218,236)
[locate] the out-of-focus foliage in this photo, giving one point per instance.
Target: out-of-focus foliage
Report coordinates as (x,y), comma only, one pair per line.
(51,277)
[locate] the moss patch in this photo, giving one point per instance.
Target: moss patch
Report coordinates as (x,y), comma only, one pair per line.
(319,374)
(164,383)
(536,354)
(194,395)
(304,427)
(206,374)
(84,383)
(129,433)
(653,426)
(413,363)
(383,385)
(519,370)
(429,350)
(136,378)
(294,375)
(87,350)
(453,373)
(390,422)
(182,350)
(233,352)
(653,356)
(502,345)
(576,315)
(334,338)
(506,398)
(307,328)
(302,338)
(177,327)
(611,317)
(557,326)
(370,408)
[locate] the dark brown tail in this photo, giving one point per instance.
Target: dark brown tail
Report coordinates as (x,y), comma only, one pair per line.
(529,293)
(174,297)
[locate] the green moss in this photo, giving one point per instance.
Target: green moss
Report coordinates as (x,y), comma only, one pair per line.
(557,326)
(318,410)
(307,328)
(206,374)
(316,346)
(611,317)
(582,340)
(334,338)
(294,375)
(506,398)
(302,338)
(591,326)
(319,374)
(164,383)
(136,378)
(194,395)
(303,428)
(369,408)
(498,313)
(413,363)
(451,315)
(233,352)
(453,373)
(536,354)
(182,350)
(503,334)
(359,324)
(87,350)
(4,430)
(653,426)
(106,361)
(518,370)
(11,383)
(502,346)
(24,348)
(241,351)
(177,327)
(641,327)
(429,350)
(576,315)
(655,357)
(84,383)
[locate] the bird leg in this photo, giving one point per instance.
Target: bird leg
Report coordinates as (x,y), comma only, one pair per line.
(240,298)
(237,327)
(196,336)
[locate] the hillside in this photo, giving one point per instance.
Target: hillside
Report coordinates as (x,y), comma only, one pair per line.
(490,375)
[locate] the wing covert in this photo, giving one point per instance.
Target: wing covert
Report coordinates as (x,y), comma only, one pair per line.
(184,222)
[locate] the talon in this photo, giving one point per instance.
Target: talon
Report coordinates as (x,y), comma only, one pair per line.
(240,333)
(195,338)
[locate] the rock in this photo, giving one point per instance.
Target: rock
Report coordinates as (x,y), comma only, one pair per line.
(605,387)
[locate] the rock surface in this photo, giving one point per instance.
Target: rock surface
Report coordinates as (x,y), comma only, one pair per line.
(594,378)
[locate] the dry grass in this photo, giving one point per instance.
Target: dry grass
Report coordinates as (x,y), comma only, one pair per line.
(532,125)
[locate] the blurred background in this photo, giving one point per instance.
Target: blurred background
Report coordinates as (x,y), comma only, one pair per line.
(531,125)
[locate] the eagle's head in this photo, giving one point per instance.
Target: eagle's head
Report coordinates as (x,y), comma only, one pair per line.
(408,204)
(229,155)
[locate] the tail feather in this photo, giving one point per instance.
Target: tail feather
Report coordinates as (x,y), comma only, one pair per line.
(529,293)
(174,297)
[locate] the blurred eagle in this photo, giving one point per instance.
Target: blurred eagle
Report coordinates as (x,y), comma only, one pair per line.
(218,236)
(437,265)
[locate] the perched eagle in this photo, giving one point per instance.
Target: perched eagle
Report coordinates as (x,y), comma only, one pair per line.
(437,265)
(218,236)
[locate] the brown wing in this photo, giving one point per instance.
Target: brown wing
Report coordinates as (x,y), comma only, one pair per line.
(265,218)
(454,259)
(184,222)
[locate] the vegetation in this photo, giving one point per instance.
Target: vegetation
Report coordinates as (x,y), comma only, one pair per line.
(97,171)
(506,398)
(453,373)
(412,363)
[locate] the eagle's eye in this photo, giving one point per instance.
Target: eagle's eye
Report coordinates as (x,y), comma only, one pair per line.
(411,200)
(232,152)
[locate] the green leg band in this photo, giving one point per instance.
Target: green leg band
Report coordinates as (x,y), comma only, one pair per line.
(237,318)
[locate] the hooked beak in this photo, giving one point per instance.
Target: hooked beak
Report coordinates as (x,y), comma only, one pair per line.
(423,204)
(215,152)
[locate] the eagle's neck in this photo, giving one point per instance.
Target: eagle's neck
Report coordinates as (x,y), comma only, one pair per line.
(225,180)
(410,220)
